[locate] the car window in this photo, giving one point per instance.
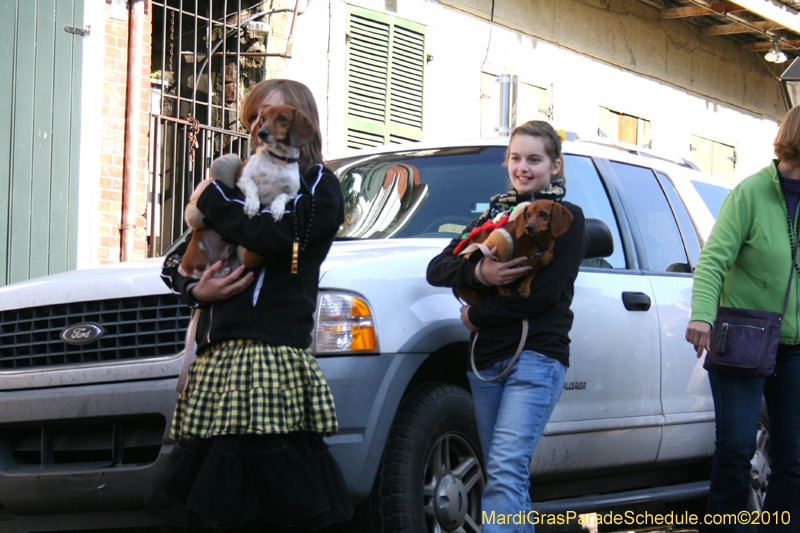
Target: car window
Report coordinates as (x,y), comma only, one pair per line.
(427,193)
(688,230)
(663,245)
(712,195)
(585,189)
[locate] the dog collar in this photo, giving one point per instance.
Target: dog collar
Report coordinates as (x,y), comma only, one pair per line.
(287,159)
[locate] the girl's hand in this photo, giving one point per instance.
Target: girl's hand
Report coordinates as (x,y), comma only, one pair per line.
(698,333)
(497,273)
(465,319)
(212,289)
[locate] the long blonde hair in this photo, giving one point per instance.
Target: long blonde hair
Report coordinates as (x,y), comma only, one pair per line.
(296,95)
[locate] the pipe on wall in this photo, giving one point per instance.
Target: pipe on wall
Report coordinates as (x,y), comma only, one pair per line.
(133,109)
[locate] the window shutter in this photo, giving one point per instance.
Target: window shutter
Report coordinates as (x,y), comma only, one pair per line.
(408,63)
(385,74)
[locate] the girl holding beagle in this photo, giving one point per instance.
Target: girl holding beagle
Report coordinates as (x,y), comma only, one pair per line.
(514,400)
(250,422)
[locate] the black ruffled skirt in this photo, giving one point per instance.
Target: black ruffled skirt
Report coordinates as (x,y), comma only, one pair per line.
(282,481)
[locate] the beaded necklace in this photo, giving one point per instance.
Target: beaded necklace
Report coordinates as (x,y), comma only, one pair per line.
(299,244)
(791,233)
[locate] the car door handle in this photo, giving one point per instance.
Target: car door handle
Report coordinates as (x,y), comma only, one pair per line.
(636,301)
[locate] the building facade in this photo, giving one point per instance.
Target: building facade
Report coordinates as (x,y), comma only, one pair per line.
(382,71)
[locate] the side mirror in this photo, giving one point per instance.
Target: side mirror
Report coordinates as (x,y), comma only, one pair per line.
(601,243)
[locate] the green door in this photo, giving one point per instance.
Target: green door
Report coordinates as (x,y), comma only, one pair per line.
(39,132)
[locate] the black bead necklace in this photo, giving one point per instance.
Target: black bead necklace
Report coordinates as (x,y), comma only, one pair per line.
(791,233)
(299,243)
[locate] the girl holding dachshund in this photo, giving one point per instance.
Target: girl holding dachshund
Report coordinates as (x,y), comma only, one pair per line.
(249,424)
(514,400)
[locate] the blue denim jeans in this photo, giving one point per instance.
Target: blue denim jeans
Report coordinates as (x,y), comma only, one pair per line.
(511,415)
(737,401)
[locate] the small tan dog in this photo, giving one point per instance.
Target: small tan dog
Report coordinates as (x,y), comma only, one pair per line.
(270,178)
(531,231)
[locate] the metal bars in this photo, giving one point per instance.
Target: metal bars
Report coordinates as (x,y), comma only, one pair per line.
(196,88)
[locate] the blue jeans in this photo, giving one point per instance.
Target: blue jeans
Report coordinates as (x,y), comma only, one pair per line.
(511,415)
(737,401)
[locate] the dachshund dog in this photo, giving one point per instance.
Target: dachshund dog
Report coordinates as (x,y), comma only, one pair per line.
(531,231)
(270,178)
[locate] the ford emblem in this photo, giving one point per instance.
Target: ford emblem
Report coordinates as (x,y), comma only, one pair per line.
(82,333)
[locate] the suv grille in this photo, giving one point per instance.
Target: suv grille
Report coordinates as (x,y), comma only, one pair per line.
(134,328)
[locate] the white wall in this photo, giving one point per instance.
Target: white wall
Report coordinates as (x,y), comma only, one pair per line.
(616,53)
(91,124)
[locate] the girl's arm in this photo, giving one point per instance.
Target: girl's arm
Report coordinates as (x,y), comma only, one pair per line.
(178,283)
(448,270)
(547,286)
(719,253)
(261,234)
(209,288)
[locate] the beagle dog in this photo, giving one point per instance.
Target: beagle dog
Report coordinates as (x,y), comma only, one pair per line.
(269,179)
(531,231)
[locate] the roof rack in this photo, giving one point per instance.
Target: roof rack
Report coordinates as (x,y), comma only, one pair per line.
(632,149)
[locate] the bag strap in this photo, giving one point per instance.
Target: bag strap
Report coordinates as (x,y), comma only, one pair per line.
(505,372)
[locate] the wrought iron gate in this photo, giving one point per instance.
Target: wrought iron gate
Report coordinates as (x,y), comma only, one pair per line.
(205,54)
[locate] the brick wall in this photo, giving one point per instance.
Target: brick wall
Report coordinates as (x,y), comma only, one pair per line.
(112,148)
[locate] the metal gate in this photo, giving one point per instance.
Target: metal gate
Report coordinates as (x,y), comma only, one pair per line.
(205,54)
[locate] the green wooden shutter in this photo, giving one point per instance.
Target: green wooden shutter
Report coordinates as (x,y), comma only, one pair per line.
(39,133)
(385,79)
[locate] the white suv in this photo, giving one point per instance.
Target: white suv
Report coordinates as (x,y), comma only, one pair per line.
(89,359)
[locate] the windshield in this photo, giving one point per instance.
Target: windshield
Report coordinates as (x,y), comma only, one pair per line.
(430,193)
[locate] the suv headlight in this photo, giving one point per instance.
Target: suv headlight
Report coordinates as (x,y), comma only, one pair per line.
(344,324)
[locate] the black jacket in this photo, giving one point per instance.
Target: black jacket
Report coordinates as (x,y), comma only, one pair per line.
(278,306)
(499,318)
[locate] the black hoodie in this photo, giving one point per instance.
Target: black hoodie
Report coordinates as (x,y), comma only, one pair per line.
(278,306)
(547,309)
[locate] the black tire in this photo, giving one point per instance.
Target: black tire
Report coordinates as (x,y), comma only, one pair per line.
(759,466)
(431,475)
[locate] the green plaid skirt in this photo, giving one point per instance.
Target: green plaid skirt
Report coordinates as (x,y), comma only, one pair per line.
(242,387)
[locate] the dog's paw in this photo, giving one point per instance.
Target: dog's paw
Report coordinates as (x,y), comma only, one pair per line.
(525,288)
(225,167)
(277,211)
(222,272)
(251,206)
(505,291)
(193,217)
(278,207)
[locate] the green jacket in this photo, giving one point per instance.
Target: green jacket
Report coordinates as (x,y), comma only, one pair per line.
(749,255)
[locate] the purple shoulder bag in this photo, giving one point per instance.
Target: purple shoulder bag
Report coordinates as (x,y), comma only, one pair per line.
(744,342)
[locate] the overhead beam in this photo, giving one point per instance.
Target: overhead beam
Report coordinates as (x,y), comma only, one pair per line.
(698,11)
(730,29)
(765,46)
(769,11)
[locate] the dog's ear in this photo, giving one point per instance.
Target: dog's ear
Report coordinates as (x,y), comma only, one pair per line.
(302,130)
(521,221)
(560,219)
(518,211)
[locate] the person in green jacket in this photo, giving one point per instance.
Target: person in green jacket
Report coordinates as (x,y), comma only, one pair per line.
(746,263)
